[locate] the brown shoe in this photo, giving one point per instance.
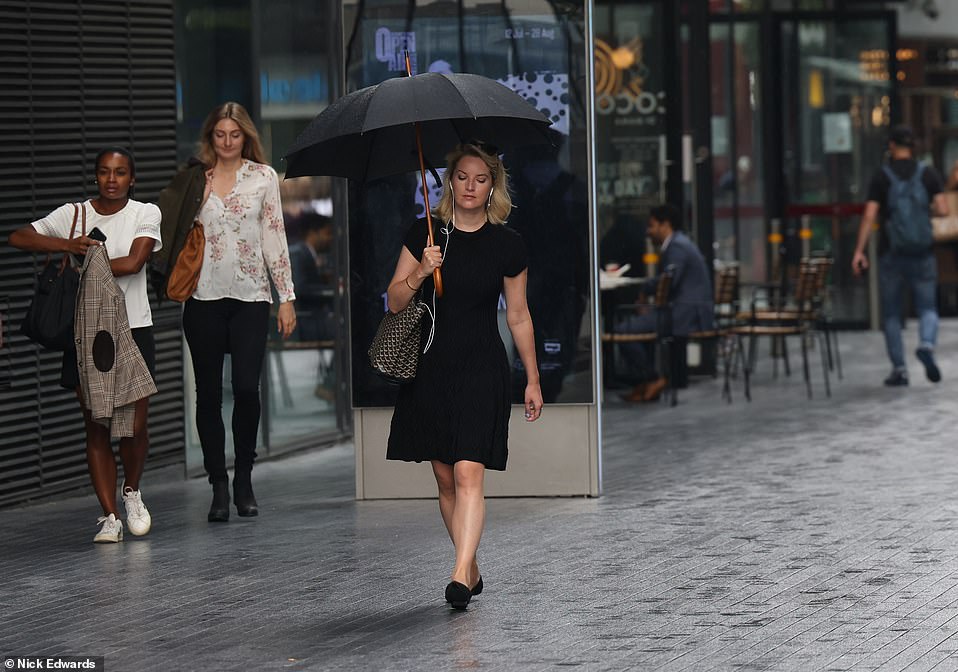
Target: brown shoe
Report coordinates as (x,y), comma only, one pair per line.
(637,394)
(654,389)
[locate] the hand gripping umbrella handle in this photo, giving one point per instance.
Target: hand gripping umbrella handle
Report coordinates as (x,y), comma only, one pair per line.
(436,275)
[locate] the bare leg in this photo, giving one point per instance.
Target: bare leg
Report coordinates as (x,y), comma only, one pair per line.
(447,494)
(100,461)
(133,449)
(446,480)
(468,519)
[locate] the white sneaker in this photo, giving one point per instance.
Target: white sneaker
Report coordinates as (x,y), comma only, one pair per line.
(111,532)
(137,517)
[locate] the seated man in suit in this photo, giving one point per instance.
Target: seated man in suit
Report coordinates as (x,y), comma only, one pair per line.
(690,299)
(311,260)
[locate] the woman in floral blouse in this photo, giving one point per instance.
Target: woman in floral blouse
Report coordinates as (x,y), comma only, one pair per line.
(229,311)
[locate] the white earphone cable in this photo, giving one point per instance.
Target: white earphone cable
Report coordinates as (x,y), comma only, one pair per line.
(432,312)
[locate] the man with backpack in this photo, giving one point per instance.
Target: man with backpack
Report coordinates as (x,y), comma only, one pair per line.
(901,193)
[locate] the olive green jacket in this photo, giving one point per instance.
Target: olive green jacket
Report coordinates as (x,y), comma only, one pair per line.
(179,203)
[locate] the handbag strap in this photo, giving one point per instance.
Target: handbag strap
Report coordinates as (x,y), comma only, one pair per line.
(73,228)
(76,214)
(77,209)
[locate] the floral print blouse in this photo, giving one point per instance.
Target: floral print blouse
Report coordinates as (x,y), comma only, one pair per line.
(245,238)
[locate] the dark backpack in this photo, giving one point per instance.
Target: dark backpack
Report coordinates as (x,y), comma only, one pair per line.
(908,222)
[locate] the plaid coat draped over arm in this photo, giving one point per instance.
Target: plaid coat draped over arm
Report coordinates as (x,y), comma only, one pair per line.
(113,374)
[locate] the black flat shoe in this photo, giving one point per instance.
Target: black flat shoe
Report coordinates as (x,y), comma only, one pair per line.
(476,589)
(458,595)
(220,508)
(244,499)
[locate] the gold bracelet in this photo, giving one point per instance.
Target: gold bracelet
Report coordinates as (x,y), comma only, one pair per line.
(415,289)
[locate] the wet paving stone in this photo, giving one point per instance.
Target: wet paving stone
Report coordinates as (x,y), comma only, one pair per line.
(782,534)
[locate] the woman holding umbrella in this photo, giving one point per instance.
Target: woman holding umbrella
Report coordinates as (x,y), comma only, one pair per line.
(455,413)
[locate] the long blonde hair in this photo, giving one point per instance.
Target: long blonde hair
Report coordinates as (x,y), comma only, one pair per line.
(252,148)
(500,204)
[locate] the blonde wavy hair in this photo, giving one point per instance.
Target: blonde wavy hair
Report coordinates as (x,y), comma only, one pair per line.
(501,203)
(252,147)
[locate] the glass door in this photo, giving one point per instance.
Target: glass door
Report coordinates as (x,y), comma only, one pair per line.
(738,167)
(632,123)
(836,109)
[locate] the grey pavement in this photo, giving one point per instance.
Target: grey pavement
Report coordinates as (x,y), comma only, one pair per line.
(785,534)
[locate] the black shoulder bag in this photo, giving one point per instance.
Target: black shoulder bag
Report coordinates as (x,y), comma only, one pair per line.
(49,319)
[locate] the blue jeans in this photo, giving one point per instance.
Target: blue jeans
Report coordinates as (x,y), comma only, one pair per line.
(921,274)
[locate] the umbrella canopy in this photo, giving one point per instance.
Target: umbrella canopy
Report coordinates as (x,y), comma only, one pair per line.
(370,133)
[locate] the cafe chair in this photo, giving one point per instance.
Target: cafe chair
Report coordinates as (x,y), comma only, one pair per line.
(729,348)
(800,319)
(816,310)
(823,315)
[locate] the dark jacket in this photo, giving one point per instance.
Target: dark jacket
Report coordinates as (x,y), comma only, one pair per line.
(691,296)
(179,203)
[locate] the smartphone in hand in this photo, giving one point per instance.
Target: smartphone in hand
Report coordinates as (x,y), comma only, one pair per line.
(96,234)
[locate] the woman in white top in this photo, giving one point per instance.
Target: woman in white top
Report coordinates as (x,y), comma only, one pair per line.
(132,231)
(229,311)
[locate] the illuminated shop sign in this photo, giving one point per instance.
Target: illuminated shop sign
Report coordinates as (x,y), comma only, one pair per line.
(289,91)
(923,63)
(391,47)
(873,65)
(541,83)
(621,77)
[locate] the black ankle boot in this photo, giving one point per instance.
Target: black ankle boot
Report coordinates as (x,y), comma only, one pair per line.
(220,508)
(243,496)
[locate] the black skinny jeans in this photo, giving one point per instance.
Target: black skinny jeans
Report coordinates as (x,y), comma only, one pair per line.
(212,329)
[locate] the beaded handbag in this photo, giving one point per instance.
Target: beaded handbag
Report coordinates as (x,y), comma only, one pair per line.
(395,351)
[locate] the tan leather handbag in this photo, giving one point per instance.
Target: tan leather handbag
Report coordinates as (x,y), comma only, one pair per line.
(185,274)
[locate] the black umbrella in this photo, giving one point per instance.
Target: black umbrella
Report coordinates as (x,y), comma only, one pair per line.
(370,133)
(407,123)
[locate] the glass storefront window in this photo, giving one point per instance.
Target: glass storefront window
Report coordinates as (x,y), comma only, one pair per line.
(737,152)
(630,128)
(736,6)
(538,51)
(837,97)
(841,120)
(296,79)
(204,33)
(278,59)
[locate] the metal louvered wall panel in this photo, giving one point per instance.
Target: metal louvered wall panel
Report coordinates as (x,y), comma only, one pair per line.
(76,76)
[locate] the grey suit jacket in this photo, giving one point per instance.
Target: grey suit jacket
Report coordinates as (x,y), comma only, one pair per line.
(691,295)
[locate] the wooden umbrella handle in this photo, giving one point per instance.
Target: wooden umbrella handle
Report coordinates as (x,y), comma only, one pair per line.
(436,275)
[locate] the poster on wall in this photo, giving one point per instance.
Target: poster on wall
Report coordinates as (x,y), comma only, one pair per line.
(837,132)
(530,55)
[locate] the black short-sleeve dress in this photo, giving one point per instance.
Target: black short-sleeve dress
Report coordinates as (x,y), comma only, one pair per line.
(457,407)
